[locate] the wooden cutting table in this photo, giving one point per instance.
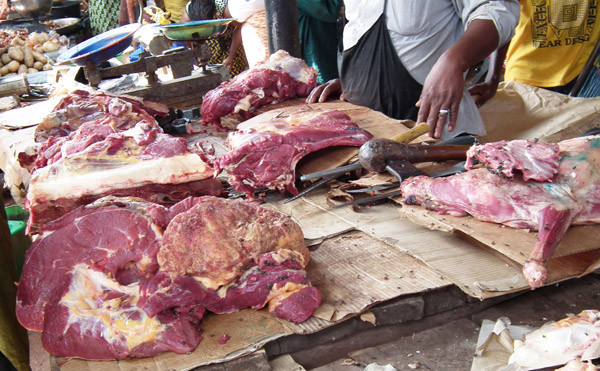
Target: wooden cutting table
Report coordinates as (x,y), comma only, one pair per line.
(373,266)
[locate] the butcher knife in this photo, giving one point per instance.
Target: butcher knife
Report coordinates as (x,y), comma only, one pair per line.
(456,169)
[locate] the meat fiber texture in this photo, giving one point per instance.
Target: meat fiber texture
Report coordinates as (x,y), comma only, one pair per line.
(534,160)
(98,287)
(95,144)
(81,106)
(571,196)
(556,343)
(97,161)
(279,78)
(264,153)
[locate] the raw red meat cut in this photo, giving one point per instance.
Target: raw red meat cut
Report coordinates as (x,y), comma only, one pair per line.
(141,161)
(81,106)
(572,197)
(281,77)
(276,278)
(194,242)
(129,250)
(97,287)
(264,151)
(535,160)
(97,318)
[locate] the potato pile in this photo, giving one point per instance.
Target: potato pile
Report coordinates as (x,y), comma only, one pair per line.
(23,52)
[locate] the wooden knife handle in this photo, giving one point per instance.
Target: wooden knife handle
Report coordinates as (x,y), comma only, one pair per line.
(377,153)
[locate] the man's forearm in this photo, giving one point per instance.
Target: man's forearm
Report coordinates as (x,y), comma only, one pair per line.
(478,42)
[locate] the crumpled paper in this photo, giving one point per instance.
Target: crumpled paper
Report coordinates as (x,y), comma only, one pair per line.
(504,347)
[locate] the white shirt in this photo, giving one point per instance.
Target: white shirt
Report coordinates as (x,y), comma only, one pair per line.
(422,30)
(241,10)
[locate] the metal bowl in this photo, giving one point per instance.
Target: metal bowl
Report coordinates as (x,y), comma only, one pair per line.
(195,30)
(32,8)
(101,47)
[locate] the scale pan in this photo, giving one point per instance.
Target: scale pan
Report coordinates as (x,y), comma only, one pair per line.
(195,30)
(101,47)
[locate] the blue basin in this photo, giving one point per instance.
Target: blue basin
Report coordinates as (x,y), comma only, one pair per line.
(101,47)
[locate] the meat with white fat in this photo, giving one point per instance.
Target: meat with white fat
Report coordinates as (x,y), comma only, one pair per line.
(264,150)
(141,161)
(279,78)
(571,197)
(98,288)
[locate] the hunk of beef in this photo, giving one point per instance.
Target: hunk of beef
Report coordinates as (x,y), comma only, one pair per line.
(141,161)
(86,135)
(109,236)
(81,106)
(216,239)
(572,197)
(97,318)
(97,287)
(535,160)
(264,151)
(275,278)
(279,78)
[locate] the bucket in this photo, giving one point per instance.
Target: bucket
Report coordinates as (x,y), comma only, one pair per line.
(17,222)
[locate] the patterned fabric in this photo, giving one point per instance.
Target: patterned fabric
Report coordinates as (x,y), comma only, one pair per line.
(104,15)
(219,46)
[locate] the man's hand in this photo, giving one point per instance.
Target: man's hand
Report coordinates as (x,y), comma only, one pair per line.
(322,92)
(228,62)
(441,96)
(483,92)
(444,86)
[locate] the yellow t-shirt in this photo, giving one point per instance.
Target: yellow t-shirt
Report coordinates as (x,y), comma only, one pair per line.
(552,41)
(175,7)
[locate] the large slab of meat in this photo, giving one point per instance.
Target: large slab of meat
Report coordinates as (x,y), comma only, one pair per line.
(279,78)
(571,196)
(82,106)
(97,161)
(124,278)
(95,144)
(264,151)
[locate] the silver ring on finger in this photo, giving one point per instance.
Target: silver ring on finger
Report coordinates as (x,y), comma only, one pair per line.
(444,112)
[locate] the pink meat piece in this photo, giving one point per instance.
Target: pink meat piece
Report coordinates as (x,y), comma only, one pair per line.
(132,244)
(265,153)
(535,160)
(95,161)
(573,197)
(93,284)
(281,77)
(81,106)
(254,289)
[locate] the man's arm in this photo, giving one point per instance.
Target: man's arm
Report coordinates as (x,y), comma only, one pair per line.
(444,86)
(236,41)
(484,91)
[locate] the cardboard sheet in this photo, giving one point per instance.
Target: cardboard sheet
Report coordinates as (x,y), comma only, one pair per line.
(578,252)
(477,272)
(520,111)
(19,118)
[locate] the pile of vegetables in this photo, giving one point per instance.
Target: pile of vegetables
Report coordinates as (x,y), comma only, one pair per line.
(23,52)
